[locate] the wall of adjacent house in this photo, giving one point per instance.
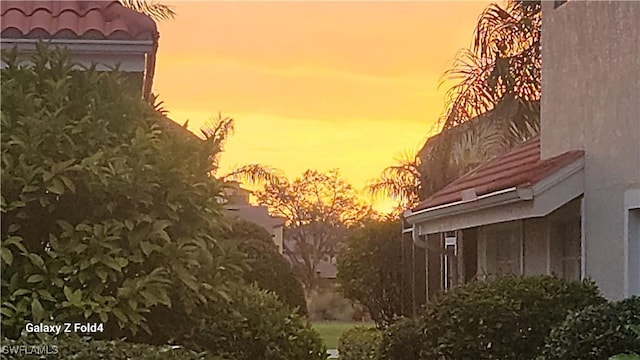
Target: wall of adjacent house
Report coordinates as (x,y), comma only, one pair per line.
(591,87)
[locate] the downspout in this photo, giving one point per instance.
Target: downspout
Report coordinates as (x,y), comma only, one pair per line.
(416,238)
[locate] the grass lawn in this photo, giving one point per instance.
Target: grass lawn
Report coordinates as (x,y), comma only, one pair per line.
(330,331)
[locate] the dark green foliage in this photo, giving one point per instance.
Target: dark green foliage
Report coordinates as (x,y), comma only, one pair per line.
(252,325)
(105,216)
(596,332)
(402,340)
(360,343)
(268,269)
(74,347)
(245,230)
(370,270)
(506,319)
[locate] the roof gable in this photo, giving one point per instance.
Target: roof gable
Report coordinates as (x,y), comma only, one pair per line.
(518,167)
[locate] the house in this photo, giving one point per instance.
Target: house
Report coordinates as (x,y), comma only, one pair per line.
(566,202)
(238,205)
(96,32)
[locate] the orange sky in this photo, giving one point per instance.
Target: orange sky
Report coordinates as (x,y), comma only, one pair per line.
(319,85)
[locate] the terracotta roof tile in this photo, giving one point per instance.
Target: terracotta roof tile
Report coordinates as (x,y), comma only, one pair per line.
(520,166)
(74,20)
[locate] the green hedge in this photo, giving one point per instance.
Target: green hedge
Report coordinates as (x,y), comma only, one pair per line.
(596,333)
(252,325)
(402,340)
(74,347)
(360,343)
(507,319)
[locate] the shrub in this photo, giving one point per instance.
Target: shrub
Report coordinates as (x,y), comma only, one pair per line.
(402,340)
(252,324)
(74,347)
(369,271)
(508,318)
(596,332)
(268,269)
(360,343)
(632,355)
(98,222)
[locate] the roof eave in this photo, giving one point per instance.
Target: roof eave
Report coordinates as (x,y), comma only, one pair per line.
(496,198)
(524,201)
(127,55)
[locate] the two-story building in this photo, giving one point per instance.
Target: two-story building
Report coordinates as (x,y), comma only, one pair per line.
(566,202)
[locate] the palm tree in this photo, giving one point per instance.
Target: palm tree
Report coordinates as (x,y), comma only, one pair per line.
(401,182)
(216,132)
(503,65)
(153,9)
(495,103)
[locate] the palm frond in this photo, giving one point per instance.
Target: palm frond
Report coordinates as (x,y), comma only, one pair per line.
(255,174)
(151,8)
(158,105)
(505,59)
(216,132)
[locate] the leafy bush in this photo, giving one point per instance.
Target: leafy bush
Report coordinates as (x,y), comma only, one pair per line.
(369,271)
(268,269)
(402,340)
(252,324)
(329,305)
(596,332)
(360,343)
(508,318)
(104,213)
(632,355)
(74,347)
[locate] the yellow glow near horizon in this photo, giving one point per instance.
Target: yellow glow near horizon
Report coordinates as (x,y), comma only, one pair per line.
(313,85)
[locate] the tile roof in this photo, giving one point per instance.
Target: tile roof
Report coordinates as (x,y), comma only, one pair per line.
(520,166)
(96,20)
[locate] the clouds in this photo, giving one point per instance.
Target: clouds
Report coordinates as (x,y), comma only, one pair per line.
(313,84)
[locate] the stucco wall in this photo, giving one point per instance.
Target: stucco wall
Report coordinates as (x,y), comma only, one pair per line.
(591,101)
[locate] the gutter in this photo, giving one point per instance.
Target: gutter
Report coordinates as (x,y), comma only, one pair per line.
(496,198)
(86,45)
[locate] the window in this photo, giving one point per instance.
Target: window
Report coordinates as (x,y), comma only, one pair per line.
(568,236)
(508,251)
(504,261)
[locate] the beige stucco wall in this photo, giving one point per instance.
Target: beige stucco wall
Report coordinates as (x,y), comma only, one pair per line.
(591,101)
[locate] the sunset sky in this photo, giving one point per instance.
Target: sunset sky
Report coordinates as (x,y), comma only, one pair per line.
(318,85)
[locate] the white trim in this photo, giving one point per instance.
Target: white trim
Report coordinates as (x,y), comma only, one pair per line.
(631,202)
(77,41)
(493,199)
(522,249)
(583,241)
(84,46)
